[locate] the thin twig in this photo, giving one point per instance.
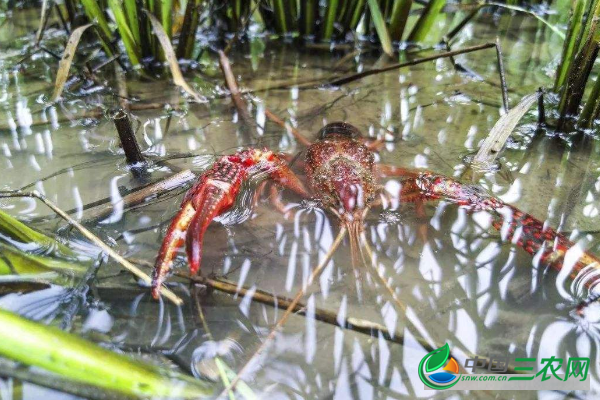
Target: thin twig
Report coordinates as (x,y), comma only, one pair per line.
(95,239)
(502,75)
(156,189)
(363,326)
(315,274)
(354,77)
(299,137)
(234,91)
(260,296)
(62,19)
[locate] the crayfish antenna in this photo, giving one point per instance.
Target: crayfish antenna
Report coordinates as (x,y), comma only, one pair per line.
(172,241)
(354,233)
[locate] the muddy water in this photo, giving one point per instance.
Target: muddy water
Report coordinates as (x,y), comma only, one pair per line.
(461,284)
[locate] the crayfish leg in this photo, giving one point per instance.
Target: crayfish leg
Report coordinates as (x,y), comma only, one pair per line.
(549,246)
(171,243)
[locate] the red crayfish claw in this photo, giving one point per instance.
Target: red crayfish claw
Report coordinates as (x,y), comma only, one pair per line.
(213,194)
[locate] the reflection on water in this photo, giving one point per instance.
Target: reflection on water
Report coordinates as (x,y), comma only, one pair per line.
(461,283)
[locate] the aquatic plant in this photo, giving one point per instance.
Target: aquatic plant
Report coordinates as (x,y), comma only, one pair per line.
(29,254)
(333,19)
(76,359)
(135,30)
(321,21)
(574,73)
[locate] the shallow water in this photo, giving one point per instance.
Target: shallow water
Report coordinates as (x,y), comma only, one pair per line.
(463,285)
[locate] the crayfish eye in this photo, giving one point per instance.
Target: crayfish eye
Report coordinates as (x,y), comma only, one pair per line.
(339,128)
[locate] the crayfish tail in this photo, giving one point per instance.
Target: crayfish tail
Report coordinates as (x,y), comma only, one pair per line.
(171,243)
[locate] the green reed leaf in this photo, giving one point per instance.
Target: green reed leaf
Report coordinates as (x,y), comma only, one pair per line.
(426,20)
(76,359)
(18,231)
(16,262)
(380,27)
(131,47)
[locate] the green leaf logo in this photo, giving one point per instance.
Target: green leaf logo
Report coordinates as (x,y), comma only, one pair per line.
(437,358)
(433,361)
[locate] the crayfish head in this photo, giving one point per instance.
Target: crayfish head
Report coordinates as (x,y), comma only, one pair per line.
(354,200)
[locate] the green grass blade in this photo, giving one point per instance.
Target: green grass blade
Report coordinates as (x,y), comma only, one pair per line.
(591,6)
(330,14)
(346,16)
(189,48)
(166,14)
(188,29)
(399,18)
(20,232)
(131,47)
(78,360)
(577,78)
(586,118)
(16,262)
(380,27)
(426,20)
(309,13)
(358,13)
(571,44)
(95,14)
(280,17)
(133,19)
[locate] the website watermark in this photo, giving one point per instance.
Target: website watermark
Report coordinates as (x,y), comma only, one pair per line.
(439,371)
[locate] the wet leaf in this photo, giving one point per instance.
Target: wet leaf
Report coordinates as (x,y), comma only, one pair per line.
(380,27)
(502,129)
(165,43)
(67,59)
(16,230)
(81,361)
(17,262)
(437,358)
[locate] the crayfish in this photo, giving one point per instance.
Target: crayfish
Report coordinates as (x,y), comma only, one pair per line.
(341,173)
